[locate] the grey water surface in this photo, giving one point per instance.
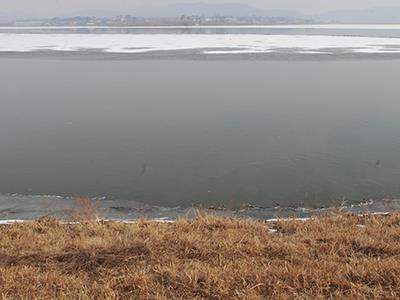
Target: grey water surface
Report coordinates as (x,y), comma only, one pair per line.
(154,133)
(173,133)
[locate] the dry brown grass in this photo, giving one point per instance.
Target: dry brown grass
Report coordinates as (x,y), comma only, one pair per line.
(340,257)
(85,209)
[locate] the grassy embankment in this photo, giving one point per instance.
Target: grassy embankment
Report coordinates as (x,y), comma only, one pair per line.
(337,256)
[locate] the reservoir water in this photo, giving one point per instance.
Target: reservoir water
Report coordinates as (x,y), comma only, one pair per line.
(294,131)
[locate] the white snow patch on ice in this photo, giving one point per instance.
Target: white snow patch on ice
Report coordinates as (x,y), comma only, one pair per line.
(222,43)
(9,222)
(312,52)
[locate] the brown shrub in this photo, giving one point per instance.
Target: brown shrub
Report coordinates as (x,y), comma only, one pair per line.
(86,209)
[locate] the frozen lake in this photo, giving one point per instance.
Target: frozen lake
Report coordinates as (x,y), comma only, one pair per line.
(154,134)
(326,39)
(210,44)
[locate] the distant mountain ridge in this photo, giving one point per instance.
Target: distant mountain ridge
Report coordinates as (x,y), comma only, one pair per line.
(207,9)
(179,9)
(375,15)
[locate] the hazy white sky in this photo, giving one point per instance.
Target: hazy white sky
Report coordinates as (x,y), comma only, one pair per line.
(60,7)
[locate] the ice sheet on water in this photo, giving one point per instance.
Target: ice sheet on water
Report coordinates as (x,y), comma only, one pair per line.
(14,208)
(9,222)
(209,44)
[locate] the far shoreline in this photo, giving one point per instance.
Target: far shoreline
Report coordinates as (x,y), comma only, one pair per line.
(195,56)
(265,26)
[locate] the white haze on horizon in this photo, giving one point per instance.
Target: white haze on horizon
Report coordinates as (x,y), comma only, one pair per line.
(62,7)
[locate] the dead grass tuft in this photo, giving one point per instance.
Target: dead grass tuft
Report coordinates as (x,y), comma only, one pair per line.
(86,209)
(336,256)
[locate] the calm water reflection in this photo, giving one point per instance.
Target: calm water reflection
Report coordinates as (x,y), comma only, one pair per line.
(172,132)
